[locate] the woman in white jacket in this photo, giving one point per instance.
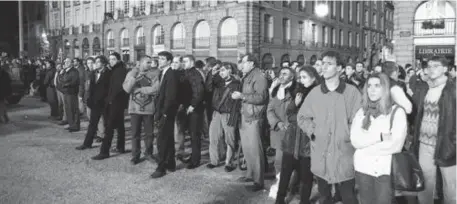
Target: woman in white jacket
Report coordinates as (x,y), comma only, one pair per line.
(375,140)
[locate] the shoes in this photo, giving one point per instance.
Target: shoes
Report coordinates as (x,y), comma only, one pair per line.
(135,160)
(73,129)
(193,165)
(229,168)
(98,139)
(82,147)
(100,157)
(151,158)
(244,179)
(181,159)
(157,174)
(211,166)
(62,123)
(255,187)
(119,151)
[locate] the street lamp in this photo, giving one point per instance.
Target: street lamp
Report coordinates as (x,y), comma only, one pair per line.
(321,9)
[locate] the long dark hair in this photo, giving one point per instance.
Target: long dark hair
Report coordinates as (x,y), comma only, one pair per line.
(385,102)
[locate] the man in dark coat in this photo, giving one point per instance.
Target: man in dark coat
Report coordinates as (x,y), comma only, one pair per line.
(51,93)
(116,100)
(195,90)
(166,107)
(96,94)
(70,86)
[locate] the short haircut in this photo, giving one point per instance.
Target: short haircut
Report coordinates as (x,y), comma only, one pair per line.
(191,57)
(251,58)
(351,65)
(102,59)
(117,55)
(359,62)
(90,58)
(444,62)
(145,57)
(167,55)
(211,61)
(292,71)
(333,54)
(389,67)
(199,64)
(218,62)
(407,66)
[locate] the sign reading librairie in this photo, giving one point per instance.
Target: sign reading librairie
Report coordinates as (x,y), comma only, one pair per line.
(439,50)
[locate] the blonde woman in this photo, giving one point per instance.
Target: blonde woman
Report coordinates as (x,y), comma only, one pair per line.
(375,140)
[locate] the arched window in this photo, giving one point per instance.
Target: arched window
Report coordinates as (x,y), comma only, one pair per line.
(158,35)
(285,58)
(434,18)
(228,33)
(110,38)
(178,37)
(202,33)
(85,44)
(301,59)
(96,46)
(140,36)
(125,37)
(267,61)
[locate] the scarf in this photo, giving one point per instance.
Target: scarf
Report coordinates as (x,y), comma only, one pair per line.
(372,110)
(281,94)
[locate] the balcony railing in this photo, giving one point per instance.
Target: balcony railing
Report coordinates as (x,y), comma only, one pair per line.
(111,43)
(97,28)
(120,14)
(159,40)
(85,29)
(125,42)
(178,43)
(268,39)
(228,41)
(140,40)
(75,30)
(157,8)
(286,41)
(430,27)
(202,42)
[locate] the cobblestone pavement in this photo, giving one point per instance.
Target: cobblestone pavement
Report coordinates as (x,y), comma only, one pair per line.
(39,164)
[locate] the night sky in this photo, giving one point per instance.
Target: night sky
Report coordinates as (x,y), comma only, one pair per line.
(9,24)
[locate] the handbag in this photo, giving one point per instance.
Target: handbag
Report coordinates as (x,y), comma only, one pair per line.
(406,172)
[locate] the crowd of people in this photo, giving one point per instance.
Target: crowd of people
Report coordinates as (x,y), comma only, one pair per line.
(328,123)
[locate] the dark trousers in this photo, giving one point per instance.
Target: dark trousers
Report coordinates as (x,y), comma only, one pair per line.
(53,101)
(346,188)
(302,165)
(95,115)
(72,110)
(374,190)
(146,121)
(166,143)
(114,120)
(195,127)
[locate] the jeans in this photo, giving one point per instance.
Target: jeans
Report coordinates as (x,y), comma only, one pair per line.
(72,111)
(147,122)
(302,165)
(374,190)
(426,160)
(219,129)
(346,188)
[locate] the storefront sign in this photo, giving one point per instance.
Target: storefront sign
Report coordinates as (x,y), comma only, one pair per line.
(405,33)
(441,50)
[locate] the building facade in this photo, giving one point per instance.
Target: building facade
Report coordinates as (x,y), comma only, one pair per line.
(424,29)
(275,31)
(76,27)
